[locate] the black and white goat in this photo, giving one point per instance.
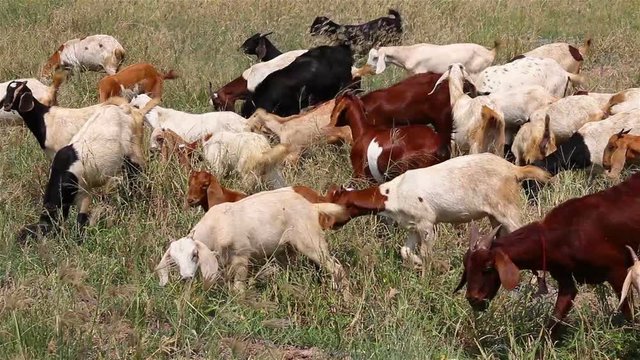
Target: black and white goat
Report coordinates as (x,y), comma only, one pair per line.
(260,46)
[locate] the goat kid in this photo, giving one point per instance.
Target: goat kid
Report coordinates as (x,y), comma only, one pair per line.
(620,148)
(144,75)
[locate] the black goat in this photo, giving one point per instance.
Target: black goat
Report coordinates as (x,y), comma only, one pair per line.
(260,46)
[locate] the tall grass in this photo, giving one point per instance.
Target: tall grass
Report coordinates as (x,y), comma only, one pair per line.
(101,299)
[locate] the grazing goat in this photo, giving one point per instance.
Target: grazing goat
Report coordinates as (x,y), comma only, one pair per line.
(93,53)
(527,71)
(52,126)
(312,78)
(568,56)
(260,46)
(379,153)
(421,198)
(170,143)
(108,142)
(626,100)
(225,98)
(379,32)
(249,154)
(478,122)
(535,140)
(232,234)
(299,131)
(633,276)
(620,148)
(142,75)
(582,239)
(46,95)
(190,127)
(422,58)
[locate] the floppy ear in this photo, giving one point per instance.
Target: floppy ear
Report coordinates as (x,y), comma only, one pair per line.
(509,273)
(618,158)
(546,137)
(208,263)
(163,268)
(261,49)
(26,102)
(381,64)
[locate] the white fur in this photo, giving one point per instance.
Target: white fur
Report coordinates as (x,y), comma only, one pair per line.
(631,101)
(87,54)
(40,92)
(526,72)
(558,52)
(190,127)
(249,154)
(421,58)
(373,153)
(252,229)
(258,72)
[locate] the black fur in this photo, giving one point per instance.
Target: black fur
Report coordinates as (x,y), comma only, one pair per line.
(315,76)
(251,46)
(132,171)
(33,119)
(382,31)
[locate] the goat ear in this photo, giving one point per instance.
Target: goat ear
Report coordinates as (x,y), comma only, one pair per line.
(618,159)
(208,263)
(508,271)
(261,49)
(626,132)
(26,102)
(546,137)
(163,268)
(381,65)
(485,241)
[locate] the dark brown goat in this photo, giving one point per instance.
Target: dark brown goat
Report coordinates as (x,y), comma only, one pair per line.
(224,99)
(582,239)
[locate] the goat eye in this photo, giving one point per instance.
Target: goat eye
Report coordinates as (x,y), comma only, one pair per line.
(488,269)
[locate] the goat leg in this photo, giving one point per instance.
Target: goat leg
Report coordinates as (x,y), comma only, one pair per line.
(542,284)
(567,292)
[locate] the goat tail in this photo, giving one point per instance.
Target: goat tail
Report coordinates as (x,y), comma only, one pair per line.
(532,172)
(497,44)
(272,158)
(584,49)
(170,75)
(396,15)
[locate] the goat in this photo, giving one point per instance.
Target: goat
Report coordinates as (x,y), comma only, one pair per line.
(381,31)
(143,75)
(535,140)
(527,71)
(258,72)
(314,77)
(633,276)
(46,95)
(189,127)
(249,154)
(620,148)
(582,239)
(421,198)
(93,53)
(626,100)
(170,143)
(568,56)
(108,142)
(478,122)
(422,58)
(225,98)
(232,234)
(259,45)
(52,126)
(379,153)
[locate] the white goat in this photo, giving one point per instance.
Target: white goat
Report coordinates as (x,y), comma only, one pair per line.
(93,53)
(107,142)
(422,58)
(478,122)
(258,72)
(568,56)
(633,276)
(527,71)
(230,235)
(41,92)
(421,198)
(535,140)
(249,154)
(626,100)
(189,126)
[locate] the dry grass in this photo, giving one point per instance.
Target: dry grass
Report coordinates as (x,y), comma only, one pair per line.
(101,300)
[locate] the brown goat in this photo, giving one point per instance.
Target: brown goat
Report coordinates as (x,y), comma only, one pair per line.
(171,143)
(621,147)
(148,79)
(582,239)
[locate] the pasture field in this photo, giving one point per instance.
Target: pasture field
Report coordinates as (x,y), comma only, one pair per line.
(101,300)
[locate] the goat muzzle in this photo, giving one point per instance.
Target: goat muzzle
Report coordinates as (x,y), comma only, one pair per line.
(478,303)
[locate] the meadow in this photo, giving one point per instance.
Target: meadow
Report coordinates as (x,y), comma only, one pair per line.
(101,300)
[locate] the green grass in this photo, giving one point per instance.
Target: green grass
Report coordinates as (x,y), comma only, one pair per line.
(102,300)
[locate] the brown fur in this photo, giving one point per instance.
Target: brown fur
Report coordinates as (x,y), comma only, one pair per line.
(52,64)
(490,134)
(143,74)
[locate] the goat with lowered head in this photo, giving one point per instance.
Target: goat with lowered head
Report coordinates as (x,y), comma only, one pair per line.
(422,58)
(621,147)
(142,75)
(259,45)
(93,53)
(108,142)
(421,198)
(568,56)
(233,234)
(581,240)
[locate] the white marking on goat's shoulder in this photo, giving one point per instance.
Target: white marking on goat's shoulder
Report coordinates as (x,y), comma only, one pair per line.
(373,152)
(12,85)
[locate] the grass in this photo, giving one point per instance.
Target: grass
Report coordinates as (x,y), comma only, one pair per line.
(102,300)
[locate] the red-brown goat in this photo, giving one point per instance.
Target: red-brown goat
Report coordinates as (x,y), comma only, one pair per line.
(582,239)
(224,99)
(144,75)
(380,153)
(407,103)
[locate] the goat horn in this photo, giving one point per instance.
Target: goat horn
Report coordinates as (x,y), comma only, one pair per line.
(633,254)
(474,234)
(485,241)
(442,78)
(267,34)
